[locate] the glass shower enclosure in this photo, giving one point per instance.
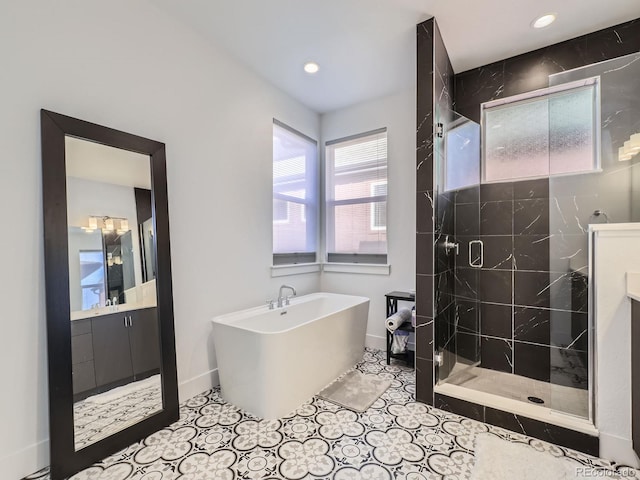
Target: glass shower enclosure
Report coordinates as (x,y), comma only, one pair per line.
(505,321)
(513,203)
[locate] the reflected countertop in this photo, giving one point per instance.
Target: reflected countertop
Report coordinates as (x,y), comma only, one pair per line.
(633,285)
(97,312)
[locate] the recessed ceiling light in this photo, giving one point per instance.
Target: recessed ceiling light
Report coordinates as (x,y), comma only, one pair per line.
(311,67)
(544,20)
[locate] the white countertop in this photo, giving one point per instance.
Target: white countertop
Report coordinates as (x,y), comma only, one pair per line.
(633,285)
(97,312)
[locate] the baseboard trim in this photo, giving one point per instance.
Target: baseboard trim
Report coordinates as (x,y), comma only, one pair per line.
(619,450)
(380,343)
(375,342)
(198,384)
(25,462)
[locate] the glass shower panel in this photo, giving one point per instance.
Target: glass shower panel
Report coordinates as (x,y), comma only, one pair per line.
(457,224)
(573,129)
(603,193)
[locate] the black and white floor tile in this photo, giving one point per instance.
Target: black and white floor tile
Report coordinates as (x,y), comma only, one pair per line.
(396,438)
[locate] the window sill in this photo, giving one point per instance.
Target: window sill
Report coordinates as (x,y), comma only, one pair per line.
(296,269)
(362,268)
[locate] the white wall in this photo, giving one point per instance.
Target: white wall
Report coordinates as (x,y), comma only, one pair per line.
(128,66)
(397,113)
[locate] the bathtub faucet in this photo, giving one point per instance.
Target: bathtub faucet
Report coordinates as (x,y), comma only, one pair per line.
(282,300)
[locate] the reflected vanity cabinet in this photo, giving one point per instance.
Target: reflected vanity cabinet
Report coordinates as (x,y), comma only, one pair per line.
(113,349)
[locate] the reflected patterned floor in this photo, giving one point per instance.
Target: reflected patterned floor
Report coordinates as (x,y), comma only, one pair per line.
(396,438)
(99,416)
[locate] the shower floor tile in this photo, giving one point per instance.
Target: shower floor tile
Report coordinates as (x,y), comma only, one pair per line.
(396,438)
(574,401)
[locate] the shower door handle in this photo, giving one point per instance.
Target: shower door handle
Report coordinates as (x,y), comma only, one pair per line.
(476,263)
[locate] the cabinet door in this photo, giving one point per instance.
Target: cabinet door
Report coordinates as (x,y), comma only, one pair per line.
(84,377)
(145,341)
(111,351)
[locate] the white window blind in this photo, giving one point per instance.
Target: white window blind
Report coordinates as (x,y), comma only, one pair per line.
(547,132)
(356,198)
(295,196)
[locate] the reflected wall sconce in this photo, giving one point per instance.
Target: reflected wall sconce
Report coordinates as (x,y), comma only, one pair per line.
(630,148)
(107,224)
(92,225)
(113,260)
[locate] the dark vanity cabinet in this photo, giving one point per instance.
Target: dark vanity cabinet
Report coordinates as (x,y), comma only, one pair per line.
(128,350)
(144,343)
(83,368)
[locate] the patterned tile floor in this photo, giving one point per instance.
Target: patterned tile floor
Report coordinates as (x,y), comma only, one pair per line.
(396,438)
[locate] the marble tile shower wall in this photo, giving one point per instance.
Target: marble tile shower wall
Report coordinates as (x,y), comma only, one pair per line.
(434,269)
(424,212)
(530,71)
(505,308)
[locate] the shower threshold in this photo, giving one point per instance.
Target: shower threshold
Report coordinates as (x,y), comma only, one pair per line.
(563,406)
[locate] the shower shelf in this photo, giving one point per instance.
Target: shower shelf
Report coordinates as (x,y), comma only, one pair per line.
(392,307)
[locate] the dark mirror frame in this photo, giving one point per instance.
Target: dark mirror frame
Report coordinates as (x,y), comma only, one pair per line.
(65,460)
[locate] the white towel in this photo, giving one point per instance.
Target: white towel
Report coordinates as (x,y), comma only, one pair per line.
(397,319)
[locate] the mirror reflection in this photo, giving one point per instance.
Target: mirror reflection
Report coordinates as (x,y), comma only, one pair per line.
(114,325)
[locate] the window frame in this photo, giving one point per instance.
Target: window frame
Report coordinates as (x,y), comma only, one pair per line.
(335,258)
(311,201)
(535,95)
(372,213)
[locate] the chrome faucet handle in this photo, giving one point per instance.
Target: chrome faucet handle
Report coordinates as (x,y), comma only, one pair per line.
(271,304)
(287,300)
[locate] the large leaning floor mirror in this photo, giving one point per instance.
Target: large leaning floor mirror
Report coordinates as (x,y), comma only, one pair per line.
(110,332)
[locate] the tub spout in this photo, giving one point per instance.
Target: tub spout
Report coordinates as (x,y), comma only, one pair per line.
(282,300)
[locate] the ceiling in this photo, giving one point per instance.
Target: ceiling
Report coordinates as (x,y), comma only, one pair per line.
(366,48)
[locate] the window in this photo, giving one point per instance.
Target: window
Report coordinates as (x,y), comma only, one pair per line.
(547,132)
(356,198)
(379,209)
(92,278)
(295,196)
(462,154)
(280,211)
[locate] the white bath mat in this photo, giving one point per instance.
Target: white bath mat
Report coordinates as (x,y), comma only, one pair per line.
(355,390)
(497,459)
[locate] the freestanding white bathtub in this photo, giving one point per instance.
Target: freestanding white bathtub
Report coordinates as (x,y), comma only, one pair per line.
(272,361)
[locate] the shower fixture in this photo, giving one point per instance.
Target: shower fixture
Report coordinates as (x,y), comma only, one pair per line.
(448,246)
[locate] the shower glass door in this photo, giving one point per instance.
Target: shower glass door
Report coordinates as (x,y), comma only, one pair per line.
(457,247)
(592,129)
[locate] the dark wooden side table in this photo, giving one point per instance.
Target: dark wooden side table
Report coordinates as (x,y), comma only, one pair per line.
(392,307)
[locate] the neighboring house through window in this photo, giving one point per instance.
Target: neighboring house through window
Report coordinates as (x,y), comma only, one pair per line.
(356,198)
